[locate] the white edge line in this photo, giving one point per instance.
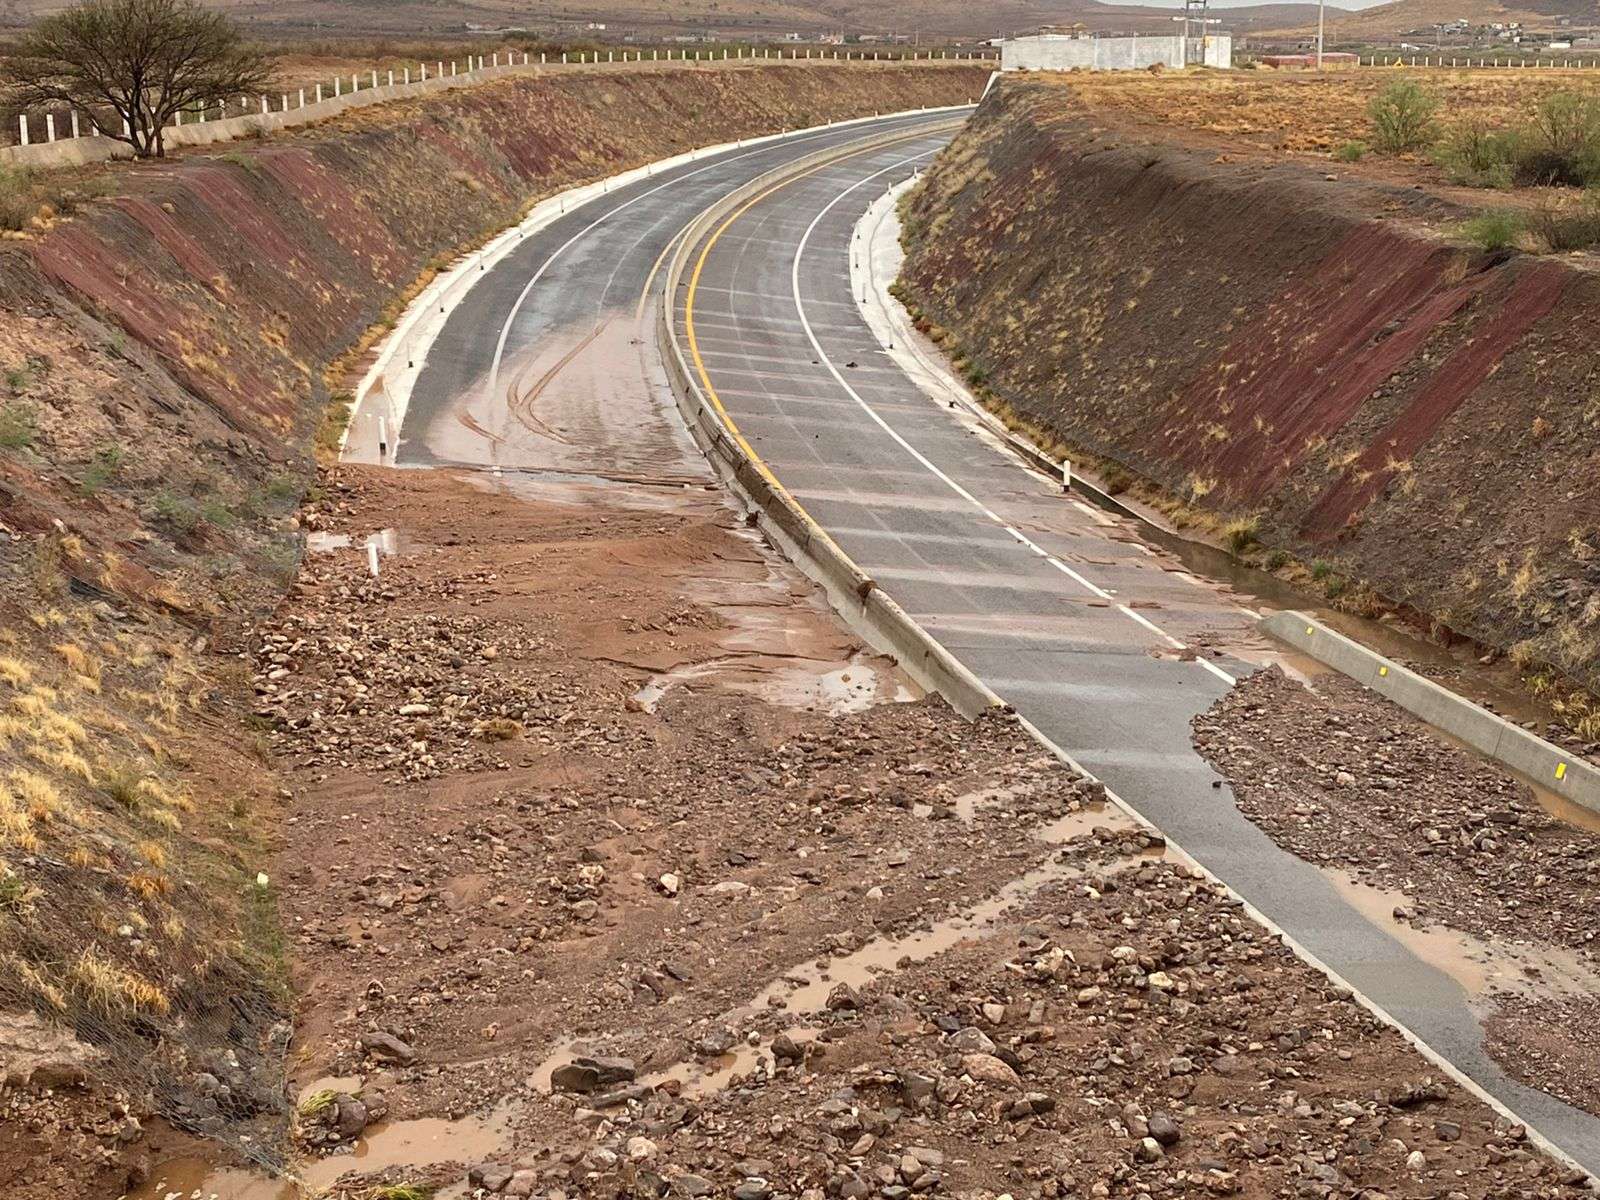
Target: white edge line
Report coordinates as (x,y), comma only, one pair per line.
(1305,955)
(474,264)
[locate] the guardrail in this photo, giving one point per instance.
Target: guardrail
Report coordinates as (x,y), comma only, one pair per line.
(1542,762)
(1484,62)
(47,138)
(866,607)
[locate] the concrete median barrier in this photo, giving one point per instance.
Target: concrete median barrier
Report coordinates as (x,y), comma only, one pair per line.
(1540,762)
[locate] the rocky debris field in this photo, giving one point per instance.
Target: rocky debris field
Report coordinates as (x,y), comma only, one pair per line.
(1346,780)
(1127,1033)
(739,942)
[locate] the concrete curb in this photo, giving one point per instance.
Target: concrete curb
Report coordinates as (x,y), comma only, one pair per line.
(1542,762)
(865,607)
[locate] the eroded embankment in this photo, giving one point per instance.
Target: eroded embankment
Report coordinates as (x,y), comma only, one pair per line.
(166,351)
(1265,341)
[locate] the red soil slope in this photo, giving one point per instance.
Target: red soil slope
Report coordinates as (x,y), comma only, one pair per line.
(1269,342)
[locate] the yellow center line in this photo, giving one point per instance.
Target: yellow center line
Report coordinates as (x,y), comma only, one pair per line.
(694,344)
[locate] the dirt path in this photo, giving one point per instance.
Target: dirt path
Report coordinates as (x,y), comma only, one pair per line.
(1468,865)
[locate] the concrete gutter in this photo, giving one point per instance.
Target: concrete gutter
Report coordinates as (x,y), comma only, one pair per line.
(1496,738)
(865,607)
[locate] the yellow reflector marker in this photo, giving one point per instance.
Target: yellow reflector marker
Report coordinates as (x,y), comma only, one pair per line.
(1561,770)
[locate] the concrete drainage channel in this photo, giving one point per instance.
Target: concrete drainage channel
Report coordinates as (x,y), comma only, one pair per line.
(875,616)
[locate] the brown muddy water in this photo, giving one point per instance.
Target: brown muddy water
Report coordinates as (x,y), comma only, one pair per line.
(799,992)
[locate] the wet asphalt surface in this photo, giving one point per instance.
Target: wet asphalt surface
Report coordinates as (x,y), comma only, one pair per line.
(1076,625)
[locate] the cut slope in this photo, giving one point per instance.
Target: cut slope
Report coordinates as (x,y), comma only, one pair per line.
(164,363)
(1274,345)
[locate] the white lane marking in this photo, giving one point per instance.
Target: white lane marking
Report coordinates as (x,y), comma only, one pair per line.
(505,329)
(1133,615)
(1066,570)
(822,356)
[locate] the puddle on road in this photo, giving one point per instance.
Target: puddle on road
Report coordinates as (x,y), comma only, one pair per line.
(1480,967)
(860,683)
(1567,811)
(425,1142)
(197,1179)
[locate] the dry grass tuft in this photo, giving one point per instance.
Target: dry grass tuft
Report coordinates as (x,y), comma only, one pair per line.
(113,990)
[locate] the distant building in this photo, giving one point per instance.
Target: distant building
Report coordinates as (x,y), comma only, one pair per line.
(1076,52)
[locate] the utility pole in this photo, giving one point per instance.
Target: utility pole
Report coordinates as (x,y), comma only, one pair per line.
(1321,11)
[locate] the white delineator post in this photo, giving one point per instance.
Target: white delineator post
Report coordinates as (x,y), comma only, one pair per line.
(372,556)
(1066,475)
(383,438)
(22,129)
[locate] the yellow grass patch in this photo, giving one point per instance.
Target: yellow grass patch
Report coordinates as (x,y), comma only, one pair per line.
(113,989)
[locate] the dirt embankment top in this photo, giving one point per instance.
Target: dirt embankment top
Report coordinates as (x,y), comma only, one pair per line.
(1288,345)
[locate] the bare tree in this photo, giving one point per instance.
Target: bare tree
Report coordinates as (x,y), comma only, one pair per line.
(145,60)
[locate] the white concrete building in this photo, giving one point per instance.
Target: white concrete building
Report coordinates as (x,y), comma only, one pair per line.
(1064,52)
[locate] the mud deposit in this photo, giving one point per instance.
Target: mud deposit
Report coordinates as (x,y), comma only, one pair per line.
(736,942)
(1268,340)
(1463,863)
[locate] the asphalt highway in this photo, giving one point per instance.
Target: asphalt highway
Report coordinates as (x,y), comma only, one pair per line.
(1091,635)
(525,374)
(1086,633)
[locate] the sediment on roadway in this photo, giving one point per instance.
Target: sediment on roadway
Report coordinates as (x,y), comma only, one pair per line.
(170,335)
(1304,358)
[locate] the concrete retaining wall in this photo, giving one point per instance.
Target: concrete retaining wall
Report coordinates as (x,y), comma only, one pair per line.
(853,594)
(1539,761)
(1061,53)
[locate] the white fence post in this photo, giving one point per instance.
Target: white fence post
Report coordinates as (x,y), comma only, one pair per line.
(49,127)
(302,103)
(75,132)
(22,130)
(319,93)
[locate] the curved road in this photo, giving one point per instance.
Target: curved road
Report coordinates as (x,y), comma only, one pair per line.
(1085,633)
(546,365)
